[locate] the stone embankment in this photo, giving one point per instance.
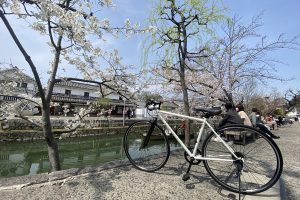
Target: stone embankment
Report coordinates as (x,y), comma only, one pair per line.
(21,130)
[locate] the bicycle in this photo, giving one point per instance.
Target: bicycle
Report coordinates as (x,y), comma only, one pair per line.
(285,123)
(247,168)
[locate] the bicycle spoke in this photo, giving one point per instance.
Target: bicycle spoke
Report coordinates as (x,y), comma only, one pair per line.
(260,161)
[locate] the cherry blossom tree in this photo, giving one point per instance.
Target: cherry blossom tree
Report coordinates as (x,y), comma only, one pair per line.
(182,29)
(72,26)
(241,56)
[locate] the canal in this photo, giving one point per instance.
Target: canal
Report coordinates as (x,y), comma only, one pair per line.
(28,158)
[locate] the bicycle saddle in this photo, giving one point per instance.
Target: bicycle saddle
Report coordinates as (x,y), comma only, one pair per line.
(209,112)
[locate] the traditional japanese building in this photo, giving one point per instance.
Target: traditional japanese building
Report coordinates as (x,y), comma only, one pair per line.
(20,83)
(15,86)
(75,95)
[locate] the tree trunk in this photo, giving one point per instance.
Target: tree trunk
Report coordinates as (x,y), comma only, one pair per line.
(182,53)
(187,122)
(186,106)
(52,145)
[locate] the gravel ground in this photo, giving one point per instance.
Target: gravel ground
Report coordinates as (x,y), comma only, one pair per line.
(117,180)
(289,144)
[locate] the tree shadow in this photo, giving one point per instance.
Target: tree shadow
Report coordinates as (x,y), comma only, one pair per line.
(292,173)
(102,182)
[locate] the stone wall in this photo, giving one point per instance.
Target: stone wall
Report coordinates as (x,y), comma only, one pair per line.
(25,135)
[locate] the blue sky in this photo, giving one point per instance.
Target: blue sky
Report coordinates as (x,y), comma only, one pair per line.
(279,17)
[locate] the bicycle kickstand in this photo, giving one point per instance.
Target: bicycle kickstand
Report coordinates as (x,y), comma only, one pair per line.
(186,176)
(239,177)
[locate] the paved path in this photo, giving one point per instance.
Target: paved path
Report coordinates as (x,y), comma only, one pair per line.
(120,181)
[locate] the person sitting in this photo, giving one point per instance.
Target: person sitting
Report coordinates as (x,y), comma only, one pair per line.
(280,121)
(231,116)
(255,118)
(241,111)
(271,122)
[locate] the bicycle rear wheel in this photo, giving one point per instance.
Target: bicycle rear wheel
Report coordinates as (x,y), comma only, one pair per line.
(155,154)
(262,165)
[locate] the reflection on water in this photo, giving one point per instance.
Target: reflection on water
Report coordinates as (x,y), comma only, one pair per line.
(28,158)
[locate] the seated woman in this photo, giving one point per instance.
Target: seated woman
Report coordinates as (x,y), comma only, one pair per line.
(271,122)
(243,115)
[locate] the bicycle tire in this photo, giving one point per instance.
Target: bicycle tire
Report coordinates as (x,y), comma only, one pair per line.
(151,157)
(263,162)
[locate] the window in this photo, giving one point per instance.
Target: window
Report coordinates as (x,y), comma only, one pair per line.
(24,85)
(86,94)
(68,92)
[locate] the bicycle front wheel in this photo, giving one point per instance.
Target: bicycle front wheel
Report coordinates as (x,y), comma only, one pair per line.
(150,155)
(262,164)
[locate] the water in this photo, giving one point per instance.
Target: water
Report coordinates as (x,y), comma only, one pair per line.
(28,158)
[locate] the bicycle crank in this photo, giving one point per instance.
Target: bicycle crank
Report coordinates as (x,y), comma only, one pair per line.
(189,159)
(240,162)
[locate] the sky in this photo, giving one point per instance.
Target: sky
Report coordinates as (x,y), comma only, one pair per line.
(279,17)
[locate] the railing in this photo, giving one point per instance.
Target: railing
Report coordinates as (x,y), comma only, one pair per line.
(72,98)
(83,99)
(9,98)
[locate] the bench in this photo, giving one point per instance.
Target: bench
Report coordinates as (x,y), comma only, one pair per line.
(242,136)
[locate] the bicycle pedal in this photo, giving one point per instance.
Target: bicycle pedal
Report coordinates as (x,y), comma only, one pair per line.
(186,177)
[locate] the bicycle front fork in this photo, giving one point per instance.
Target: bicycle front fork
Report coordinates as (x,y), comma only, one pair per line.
(149,133)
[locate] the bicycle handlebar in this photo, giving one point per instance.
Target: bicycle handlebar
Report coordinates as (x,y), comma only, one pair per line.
(153,105)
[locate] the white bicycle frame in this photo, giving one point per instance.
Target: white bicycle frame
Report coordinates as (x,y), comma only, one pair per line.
(204,123)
